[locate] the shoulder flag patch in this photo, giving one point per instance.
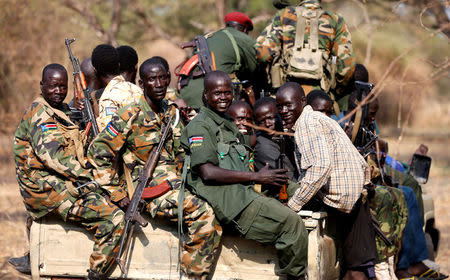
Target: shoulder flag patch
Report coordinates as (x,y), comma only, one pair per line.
(48,126)
(110,110)
(111,130)
(196,140)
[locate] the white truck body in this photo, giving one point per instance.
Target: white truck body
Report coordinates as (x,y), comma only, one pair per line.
(59,250)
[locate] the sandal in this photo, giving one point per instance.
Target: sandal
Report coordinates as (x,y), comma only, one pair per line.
(433,274)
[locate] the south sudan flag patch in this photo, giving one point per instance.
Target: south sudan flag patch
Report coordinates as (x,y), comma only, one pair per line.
(111,130)
(195,140)
(48,126)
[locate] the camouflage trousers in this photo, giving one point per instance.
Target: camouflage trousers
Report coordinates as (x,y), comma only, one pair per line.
(389,207)
(203,230)
(106,220)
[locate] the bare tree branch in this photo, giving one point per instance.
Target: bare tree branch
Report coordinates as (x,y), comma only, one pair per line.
(261,18)
(115,21)
(140,12)
(220,11)
(92,20)
(381,84)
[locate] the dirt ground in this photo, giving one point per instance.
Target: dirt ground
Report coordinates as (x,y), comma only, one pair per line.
(13,241)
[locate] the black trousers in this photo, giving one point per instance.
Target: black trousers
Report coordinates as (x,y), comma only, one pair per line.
(354,230)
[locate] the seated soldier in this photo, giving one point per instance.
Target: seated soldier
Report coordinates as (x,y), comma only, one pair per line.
(413,244)
(219,172)
(132,134)
(49,160)
(268,148)
(128,61)
(241,112)
(333,173)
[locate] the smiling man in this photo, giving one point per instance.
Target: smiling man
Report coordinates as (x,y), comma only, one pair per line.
(332,175)
(48,150)
(219,173)
(131,135)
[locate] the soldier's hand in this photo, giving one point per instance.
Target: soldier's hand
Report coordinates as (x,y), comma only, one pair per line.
(79,104)
(276,177)
(124,203)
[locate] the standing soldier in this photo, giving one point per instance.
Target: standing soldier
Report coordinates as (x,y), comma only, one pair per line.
(48,150)
(233,52)
(132,134)
(314,50)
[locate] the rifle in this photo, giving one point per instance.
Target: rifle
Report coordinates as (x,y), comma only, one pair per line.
(283,196)
(83,93)
(203,58)
(132,215)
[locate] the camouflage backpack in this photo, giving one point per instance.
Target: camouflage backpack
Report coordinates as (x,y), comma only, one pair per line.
(306,61)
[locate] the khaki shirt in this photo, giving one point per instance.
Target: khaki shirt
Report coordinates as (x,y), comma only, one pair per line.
(117,94)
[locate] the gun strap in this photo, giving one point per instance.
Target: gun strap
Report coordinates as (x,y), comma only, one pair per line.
(186,166)
(357,124)
(237,65)
(128,180)
(313,16)
(337,111)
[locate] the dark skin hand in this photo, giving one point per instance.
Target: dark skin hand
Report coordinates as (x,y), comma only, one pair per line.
(215,174)
(124,203)
(218,96)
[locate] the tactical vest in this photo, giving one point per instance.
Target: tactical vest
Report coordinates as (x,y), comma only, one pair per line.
(305,61)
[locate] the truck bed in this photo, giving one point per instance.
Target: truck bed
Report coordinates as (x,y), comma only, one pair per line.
(58,249)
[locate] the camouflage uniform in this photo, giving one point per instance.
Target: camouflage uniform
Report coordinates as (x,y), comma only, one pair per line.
(49,160)
(389,207)
(117,94)
(134,132)
(334,40)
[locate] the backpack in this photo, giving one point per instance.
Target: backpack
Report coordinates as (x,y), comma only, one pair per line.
(305,61)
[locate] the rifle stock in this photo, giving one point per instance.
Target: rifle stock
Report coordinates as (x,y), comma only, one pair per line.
(132,216)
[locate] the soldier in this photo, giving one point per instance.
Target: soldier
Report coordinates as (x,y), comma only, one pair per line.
(219,173)
(297,50)
(332,176)
(234,54)
(241,112)
(128,60)
(48,150)
(118,92)
(131,135)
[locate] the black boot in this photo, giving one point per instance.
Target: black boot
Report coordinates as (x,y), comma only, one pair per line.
(22,264)
(94,275)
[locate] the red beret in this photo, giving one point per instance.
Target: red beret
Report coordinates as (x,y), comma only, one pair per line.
(240,18)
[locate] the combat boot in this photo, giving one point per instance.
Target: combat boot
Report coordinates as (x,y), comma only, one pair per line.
(94,275)
(22,264)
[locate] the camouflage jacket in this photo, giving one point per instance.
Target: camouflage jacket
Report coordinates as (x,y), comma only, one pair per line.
(334,38)
(117,94)
(48,152)
(132,133)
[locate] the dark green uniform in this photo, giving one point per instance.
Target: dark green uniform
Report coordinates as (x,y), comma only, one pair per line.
(226,60)
(210,138)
